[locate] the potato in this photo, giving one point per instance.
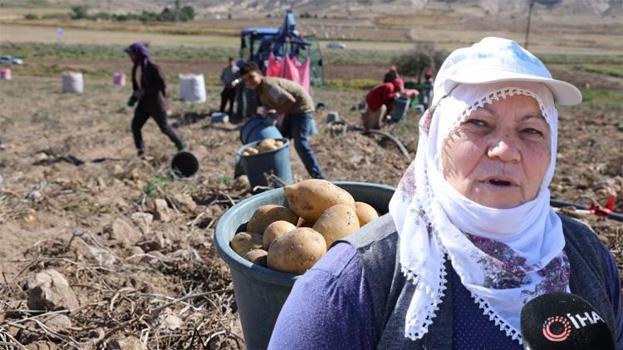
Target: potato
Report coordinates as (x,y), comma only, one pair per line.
(243,242)
(246,153)
(337,222)
(267,214)
(310,198)
(266,145)
(268,141)
(257,256)
(251,150)
(365,213)
(296,251)
(278,143)
(269,148)
(276,230)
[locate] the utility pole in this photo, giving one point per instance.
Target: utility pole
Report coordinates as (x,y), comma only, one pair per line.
(530,6)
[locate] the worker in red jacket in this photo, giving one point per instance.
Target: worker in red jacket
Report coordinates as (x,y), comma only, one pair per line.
(379,102)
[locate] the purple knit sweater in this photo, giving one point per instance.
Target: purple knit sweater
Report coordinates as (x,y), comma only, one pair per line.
(329,308)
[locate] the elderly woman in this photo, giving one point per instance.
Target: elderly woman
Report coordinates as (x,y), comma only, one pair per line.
(470,237)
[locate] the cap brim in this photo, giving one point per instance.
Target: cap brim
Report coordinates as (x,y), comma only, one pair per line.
(565,94)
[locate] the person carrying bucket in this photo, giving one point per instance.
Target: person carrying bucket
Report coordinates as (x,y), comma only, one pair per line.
(427,87)
(150,91)
(283,96)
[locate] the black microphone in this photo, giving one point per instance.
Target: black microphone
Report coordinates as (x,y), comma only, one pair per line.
(563,321)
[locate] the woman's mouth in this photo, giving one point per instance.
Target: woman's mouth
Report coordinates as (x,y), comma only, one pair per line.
(500,182)
(503,183)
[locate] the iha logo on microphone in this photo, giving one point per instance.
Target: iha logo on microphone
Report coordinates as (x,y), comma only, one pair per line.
(558,328)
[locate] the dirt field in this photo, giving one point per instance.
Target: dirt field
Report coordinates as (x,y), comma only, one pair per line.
(54,214)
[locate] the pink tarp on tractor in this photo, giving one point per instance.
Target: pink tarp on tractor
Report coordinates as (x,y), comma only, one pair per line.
(289,68)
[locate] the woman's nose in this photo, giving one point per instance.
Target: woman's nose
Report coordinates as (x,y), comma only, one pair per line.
(505,149)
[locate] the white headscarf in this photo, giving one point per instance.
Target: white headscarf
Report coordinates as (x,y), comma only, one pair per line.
(504,257)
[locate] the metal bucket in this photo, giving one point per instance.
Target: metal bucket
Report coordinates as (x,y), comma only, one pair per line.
(261,292)
(333,117)
(338,129)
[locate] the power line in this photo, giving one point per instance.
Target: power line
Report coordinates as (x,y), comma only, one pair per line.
(531,5)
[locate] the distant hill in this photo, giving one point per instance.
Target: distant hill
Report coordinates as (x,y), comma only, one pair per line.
(323,7)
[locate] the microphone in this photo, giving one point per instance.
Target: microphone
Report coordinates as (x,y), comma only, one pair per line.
(563,321)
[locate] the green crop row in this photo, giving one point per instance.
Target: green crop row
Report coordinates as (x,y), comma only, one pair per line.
(613,70)
(107,52)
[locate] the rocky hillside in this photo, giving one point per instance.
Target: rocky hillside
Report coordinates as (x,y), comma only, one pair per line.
(321,7)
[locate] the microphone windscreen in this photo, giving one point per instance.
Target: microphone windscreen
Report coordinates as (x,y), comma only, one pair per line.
(563,321)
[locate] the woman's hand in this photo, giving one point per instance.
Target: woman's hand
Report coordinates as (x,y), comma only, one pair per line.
(137,94)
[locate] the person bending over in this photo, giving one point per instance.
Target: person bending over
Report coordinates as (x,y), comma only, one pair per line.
(286,97)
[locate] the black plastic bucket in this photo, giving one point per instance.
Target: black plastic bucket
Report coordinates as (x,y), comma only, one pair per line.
(185,164)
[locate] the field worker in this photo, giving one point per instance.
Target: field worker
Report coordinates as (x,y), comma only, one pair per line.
(229,79)
(286,97)
(391,75)
(379,102)
(150,91)
(470,236)
(427,87)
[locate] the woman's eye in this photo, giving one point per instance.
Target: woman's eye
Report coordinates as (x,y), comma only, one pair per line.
(477,122)
(532,131)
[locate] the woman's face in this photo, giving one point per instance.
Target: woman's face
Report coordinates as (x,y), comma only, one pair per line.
(499,155)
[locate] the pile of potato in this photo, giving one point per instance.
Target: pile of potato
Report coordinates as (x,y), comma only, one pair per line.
(337,128)
(264,146)
(292,239)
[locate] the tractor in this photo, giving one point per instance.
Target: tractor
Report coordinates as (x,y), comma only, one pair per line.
(256,45)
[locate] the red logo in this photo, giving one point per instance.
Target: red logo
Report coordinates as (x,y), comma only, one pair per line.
(556,328)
